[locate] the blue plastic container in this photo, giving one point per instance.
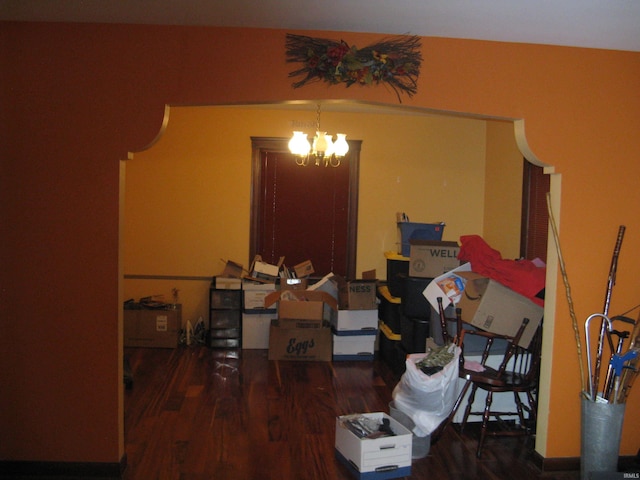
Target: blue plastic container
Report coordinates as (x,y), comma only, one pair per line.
(418,231)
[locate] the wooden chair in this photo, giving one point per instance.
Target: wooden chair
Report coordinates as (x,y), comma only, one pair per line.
(517,372)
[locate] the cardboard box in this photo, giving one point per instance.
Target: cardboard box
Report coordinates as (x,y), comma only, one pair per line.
(384,457)
(358,295)
(254,295)
(429,259)
(299,344)
(263,271)
(491,306)
(356,320)
(449,286)
(255,330)
(303,308)
(353,347)
(232,270)
(304,269)
(330,284)
(152,328)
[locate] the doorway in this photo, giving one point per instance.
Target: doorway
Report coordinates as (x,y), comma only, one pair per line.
(304,213)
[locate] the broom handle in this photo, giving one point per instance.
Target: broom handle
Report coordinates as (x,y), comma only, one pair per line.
(603,327)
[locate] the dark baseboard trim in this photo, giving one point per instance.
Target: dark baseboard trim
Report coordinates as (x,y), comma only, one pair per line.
(567,464)
(9,469)
(559,464)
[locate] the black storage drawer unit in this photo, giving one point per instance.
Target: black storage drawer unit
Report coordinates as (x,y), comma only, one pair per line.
(225,317)
(225,333)
(224,343)
(230,299)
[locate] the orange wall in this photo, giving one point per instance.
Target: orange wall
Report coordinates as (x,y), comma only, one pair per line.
(76,98)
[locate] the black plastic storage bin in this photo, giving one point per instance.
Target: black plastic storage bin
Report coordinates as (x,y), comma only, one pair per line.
(414,333)
(389,309)
(391,351)
(414,303)
(397,269)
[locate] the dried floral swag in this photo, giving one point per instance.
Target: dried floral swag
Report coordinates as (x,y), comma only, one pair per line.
(394,62)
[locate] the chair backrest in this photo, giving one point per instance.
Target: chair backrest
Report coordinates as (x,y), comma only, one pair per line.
(527,360)
(524,362)
(443,321)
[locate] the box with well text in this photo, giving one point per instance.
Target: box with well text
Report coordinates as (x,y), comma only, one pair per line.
(429,259)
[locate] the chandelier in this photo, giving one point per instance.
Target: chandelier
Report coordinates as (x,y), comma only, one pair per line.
(322,150)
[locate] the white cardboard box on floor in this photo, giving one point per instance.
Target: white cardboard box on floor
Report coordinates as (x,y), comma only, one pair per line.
(254,295)
(379,458)
(353,347)
(255,330)
(357,320)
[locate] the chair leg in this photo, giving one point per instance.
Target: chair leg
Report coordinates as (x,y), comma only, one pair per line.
(456,405)
(485,422)
(467,410)
(533,407)
(435,436)
(519,409)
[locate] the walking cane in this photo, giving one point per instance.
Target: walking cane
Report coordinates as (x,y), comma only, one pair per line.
(604,331)
(622,336)
(587,342)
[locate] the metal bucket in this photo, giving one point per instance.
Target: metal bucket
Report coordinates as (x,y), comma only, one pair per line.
(601,429)
(419,445)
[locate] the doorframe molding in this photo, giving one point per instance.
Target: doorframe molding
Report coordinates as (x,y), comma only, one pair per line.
(280,144)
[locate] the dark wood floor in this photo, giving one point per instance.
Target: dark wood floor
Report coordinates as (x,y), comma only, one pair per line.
(195,413)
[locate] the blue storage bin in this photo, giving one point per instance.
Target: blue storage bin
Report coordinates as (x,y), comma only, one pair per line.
(418,231)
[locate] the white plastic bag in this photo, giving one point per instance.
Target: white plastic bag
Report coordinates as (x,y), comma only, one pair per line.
(427,399)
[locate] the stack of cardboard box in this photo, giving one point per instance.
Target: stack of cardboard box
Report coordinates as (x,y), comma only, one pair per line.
(355,327)
(302,331)
(256,318)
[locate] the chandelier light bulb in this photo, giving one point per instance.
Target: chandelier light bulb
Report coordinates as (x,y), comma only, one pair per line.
(299,145)
(340,146)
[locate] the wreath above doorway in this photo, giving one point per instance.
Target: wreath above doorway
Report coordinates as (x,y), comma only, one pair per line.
(394,61)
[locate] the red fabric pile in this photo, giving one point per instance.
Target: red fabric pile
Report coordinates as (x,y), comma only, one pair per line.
(521,276)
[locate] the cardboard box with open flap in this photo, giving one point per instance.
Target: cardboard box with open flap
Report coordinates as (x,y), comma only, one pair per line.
(303,308)
(489,305)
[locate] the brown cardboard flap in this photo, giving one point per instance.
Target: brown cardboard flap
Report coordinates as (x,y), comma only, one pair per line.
(370,275)
(302,295)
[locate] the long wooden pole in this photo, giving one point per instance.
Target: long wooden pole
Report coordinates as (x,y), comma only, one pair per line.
(567,288)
